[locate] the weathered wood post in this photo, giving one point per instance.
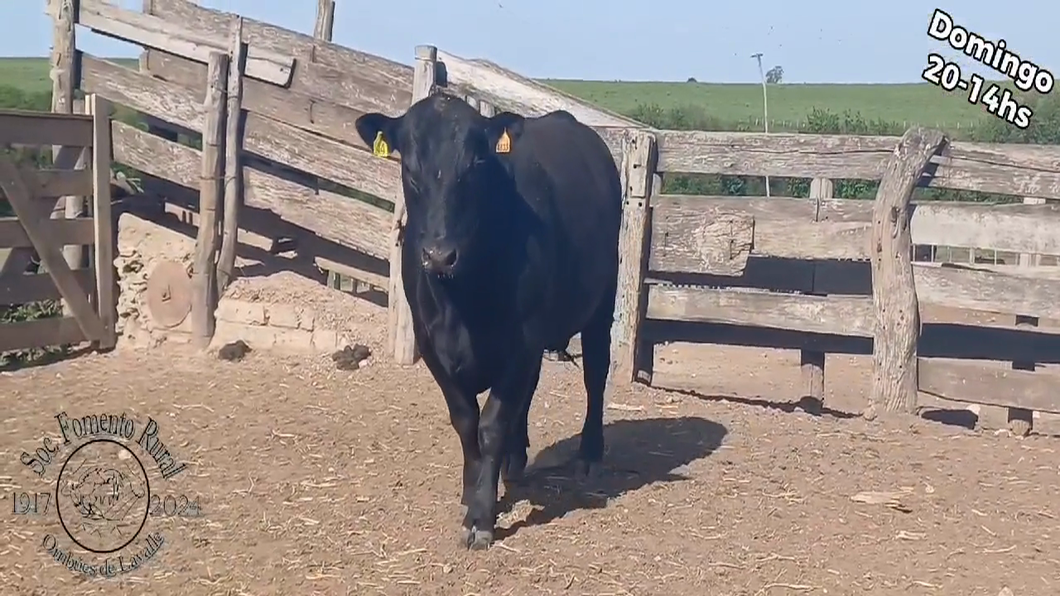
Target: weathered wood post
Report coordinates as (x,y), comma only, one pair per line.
(1021,421)
(233,164)
(402,339)
(104,237)
(203,278)
(325,23)
(638,176)
(812,361)
(63,54)
(894,349)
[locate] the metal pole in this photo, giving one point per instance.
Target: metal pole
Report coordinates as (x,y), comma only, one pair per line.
(765,103)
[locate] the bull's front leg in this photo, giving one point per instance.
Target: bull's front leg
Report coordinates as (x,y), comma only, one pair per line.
(500,418)
(464,416)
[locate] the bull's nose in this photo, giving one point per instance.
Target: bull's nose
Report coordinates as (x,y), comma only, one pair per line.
(439,260)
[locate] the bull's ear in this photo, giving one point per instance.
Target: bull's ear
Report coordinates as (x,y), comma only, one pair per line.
(373,127)
(503,131)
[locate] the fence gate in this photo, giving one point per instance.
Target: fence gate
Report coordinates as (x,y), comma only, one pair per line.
(48,204)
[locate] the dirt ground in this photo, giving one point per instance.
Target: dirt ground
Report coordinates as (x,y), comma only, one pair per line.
(312,480)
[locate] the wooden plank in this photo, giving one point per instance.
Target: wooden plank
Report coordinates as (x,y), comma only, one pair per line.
(346,221)
(1014,228)
(1027,259)
(216,24)
(153,32)
(33,287)
(812,362)
(62,56)
(61,232)
(509,91)
(713,242)
(781,228)
(282,143)
(379,281)
(233,166)
(38,129)
(401,337)
(166,101)
(320,98)
(977,289)
(51,257)
(894,296)
(351,167)
(75,207)
(324,27)
(49,184)
(1021,421)
(40,333)
(988,288)
(988,385)
(694,241)
(203,277)
(105,238)
(1023,170)
(837,315)
(638,173)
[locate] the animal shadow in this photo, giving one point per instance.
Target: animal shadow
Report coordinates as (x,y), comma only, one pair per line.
(638,453)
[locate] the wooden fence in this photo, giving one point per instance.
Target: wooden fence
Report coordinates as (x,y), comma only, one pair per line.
(81,169)
(275,109)
(292,163)
(815,273)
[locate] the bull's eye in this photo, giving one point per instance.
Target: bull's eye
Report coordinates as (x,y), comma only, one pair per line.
(411,182)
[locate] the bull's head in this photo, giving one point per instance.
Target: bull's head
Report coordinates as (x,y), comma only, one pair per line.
(451,174)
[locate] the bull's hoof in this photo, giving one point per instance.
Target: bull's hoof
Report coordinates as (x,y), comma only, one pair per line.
(475,539)
(587,470)
(514,468)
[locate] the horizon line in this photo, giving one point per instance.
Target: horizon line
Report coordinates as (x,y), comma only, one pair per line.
(660,81)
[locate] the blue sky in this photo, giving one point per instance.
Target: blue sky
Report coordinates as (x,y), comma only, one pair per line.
(816,41)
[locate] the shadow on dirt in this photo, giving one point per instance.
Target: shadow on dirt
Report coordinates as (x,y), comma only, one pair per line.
(639,453)
(808,405)
(951,417)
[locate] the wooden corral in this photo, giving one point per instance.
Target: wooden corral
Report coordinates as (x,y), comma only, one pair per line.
(290,148)
(752,271)
(275,110)
(37,196)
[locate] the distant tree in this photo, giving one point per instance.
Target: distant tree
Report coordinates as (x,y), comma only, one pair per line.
(691,80)
(775,75)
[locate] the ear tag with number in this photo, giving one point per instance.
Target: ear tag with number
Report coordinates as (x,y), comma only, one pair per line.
(504,144)
(379,147)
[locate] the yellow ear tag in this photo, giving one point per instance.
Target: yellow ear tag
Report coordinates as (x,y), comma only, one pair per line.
(504,144)
(379,147)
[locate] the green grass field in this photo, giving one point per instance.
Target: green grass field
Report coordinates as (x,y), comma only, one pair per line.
(920,103)
(911,103)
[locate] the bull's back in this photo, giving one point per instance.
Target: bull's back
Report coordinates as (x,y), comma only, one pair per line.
(580,172)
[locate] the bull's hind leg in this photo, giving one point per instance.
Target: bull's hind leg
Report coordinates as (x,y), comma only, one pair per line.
(596,360)
(518,442)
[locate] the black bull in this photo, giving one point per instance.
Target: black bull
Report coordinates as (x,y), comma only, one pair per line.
(506,254)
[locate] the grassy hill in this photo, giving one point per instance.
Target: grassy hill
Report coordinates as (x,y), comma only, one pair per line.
(912,103)
(921,103)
